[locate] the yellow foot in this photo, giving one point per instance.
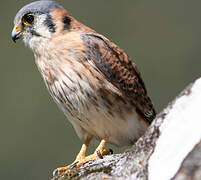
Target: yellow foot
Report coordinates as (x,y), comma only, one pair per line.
(81,159)
(81,162)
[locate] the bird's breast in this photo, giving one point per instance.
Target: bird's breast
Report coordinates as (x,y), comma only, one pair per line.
(93,105)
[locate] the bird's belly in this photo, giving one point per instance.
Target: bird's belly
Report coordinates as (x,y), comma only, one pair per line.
(98,116)
(122,128)
(97,112)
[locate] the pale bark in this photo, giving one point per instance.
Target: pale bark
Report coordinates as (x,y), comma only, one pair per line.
(170,149)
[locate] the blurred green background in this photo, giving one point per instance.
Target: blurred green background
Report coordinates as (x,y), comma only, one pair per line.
(162,37)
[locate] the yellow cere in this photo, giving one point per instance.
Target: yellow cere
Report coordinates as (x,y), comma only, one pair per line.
(17,28)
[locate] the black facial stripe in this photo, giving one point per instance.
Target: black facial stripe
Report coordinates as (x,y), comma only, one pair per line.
(67,21)
(49,23)
(34,33)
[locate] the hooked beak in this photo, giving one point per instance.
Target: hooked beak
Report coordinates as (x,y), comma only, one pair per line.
(17,33)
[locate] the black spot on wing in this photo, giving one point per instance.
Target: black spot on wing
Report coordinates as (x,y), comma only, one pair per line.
(121,72)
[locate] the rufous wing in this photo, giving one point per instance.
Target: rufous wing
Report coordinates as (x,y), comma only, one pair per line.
(119,69)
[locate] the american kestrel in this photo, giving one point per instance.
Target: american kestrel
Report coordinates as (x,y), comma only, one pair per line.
(93,81)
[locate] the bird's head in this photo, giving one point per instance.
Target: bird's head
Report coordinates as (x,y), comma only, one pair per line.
(38,21)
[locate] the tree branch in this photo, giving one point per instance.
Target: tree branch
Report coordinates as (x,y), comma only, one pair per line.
(162,153)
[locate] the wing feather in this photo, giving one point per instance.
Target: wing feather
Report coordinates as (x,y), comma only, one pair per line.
(119,69)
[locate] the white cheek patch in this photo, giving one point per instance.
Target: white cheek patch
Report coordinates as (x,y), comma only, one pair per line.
(41,31)
(41,28)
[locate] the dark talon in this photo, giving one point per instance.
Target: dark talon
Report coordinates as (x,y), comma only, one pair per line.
(55,172)
(111,151)
(99,154)
(74,165)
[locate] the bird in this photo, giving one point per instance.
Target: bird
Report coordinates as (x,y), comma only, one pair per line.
(92,80)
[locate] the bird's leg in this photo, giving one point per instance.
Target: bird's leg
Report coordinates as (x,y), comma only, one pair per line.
(81,155)
(98,153)
(82,159)
(100,150)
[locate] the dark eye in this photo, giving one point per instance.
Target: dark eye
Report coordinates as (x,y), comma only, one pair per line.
(28,19)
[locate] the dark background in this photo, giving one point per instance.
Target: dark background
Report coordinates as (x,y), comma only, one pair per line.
(162,37)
